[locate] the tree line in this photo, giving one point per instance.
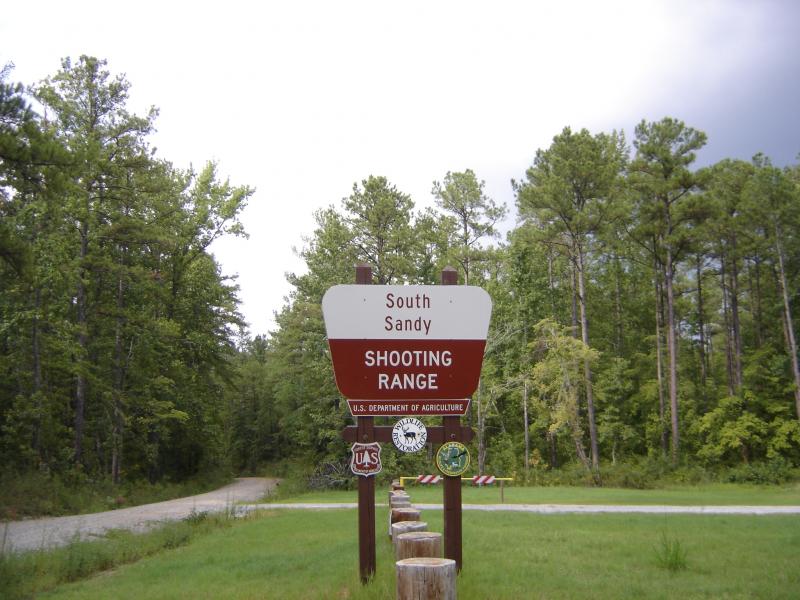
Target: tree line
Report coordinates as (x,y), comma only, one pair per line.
(116,324)
(643,307)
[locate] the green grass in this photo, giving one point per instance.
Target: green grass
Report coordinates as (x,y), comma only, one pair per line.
(671,554)
(314,554)
(707,495)
(22,575)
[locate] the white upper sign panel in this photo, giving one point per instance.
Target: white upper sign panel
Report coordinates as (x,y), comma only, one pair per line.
(406,312)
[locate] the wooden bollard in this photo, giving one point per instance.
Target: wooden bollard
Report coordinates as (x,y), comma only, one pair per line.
(405,514)
(402,514)
(430,578)
(397,502)
(405,527)
(418,544)
(398,496)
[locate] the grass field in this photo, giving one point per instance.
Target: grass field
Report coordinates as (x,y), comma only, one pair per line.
(314,554)
(23,575)
(714,494)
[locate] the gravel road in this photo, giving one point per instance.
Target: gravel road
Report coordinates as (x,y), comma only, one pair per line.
(20,536)
(554,509)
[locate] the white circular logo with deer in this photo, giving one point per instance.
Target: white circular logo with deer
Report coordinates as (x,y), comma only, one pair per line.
(409,435)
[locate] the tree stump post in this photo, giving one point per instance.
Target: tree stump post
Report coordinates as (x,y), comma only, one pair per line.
(407,526)
(418,544)
(397,503)
(402,514)
(398,496)
(429,578)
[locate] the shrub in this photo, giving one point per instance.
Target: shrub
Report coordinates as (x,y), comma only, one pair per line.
(774,472)
(331,476)
(628,475)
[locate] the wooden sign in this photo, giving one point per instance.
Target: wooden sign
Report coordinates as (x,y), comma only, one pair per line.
(393,345)
(366,433)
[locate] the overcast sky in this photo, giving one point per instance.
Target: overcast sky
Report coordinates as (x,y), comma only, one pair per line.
(301,99)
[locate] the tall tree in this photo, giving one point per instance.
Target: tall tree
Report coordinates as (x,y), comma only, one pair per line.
(569,190)
(557,380)
(94,124)
(380,220)
(726,193)
(777,196)
(474,216)
(661,177)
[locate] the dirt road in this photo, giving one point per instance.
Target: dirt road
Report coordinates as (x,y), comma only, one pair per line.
(20,536)
(563,509)
(56,531)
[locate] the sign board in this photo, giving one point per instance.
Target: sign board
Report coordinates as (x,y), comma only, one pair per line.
(366,459)
(407,343)
(409,435)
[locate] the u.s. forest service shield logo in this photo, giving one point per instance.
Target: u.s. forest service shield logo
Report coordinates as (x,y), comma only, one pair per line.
(366,459)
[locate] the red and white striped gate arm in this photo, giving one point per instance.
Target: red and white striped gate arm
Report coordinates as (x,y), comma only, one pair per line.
(429,479)
(483,480)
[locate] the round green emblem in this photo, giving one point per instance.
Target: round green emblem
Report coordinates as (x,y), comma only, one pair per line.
(452,459)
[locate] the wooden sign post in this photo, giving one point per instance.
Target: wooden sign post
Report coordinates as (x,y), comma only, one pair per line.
(366,485)
(452,485)
(405,351)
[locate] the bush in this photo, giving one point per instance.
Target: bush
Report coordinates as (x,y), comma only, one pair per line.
(571,474)
(36,494)
(331,476)
(774,472)
(640,474)
(628,475)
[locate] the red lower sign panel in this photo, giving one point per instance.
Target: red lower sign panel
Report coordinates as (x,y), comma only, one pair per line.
(407,369)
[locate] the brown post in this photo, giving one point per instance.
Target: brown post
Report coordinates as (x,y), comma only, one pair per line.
(366,485)
(452,485)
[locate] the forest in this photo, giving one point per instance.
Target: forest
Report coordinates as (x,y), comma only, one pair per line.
(642,324)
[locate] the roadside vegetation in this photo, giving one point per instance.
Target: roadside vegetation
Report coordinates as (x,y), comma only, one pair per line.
(645,481)
(716,494)
(35,495)
(314,554)
(26,574)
